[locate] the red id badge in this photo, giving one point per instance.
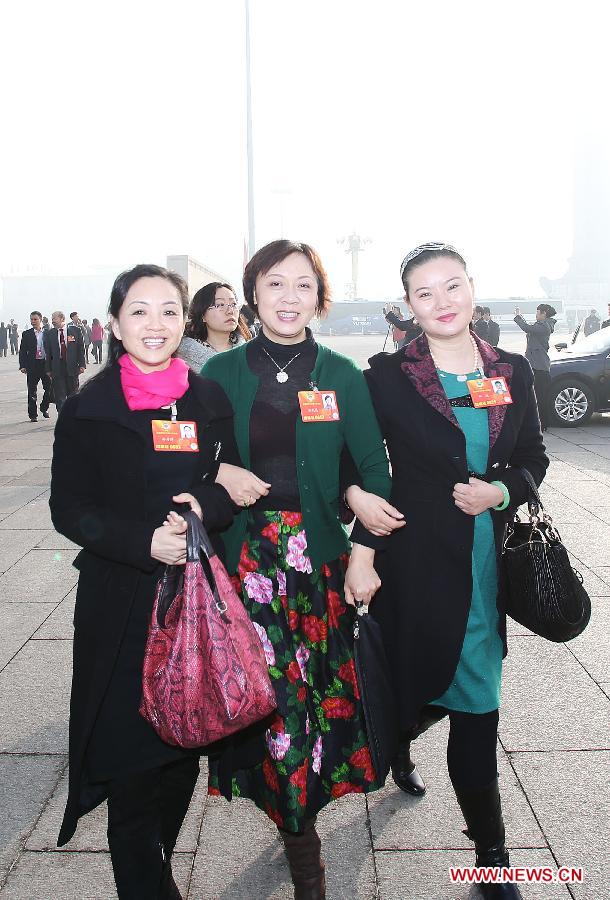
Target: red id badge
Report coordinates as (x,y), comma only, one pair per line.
(319,406)
(489,392)
(176,437)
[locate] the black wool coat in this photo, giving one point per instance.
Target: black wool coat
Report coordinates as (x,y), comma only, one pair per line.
(98,489)
(426,568)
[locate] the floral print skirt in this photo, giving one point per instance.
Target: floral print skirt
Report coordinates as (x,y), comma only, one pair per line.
(316,746)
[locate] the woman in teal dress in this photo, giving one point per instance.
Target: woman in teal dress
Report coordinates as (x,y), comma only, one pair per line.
(457,447)
(475,687)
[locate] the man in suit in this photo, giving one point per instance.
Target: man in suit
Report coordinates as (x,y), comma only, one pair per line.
(32,362)
(65,357)
(493,329)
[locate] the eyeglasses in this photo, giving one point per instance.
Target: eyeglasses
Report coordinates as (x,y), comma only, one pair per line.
(423,248)
(221,306)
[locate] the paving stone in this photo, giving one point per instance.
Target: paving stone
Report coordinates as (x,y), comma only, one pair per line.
(42,576)
(424,875)
(401,822)
(13,497)
(75,876)
(602,572)
(59,625)
(240,855)
(593,584)
(25,784)
(38,475)
(600,449)
(569,792)
(600,512)
(592,647)
(588,493)
(55,541)
(14,545)
(34,699)
(35,515)
(605,686)
(548,700)
(91,832)
(16,467)
(222,869)
(19,622)
(591,545)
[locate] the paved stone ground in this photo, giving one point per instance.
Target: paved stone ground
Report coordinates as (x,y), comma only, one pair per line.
(554,753)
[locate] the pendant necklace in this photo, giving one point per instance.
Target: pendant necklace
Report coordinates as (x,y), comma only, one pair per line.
(281,374)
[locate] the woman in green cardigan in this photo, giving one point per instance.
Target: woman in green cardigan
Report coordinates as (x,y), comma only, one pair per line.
(297,406)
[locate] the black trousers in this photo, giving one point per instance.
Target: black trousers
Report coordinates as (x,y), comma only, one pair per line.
(145,813)
(64,385)
(34,375)
(542,383)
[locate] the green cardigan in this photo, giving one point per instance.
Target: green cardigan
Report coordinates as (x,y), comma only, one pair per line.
(318,447)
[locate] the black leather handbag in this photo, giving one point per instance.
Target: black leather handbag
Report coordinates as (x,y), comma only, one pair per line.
(544,592)
(376,693)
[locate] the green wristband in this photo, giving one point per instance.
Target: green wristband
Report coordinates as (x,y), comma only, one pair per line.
(505,493)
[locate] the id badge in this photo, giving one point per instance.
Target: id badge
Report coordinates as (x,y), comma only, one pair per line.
(489,392)
(176,437)
(319,406)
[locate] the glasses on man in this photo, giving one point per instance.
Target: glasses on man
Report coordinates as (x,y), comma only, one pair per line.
(221,306)
(423,248)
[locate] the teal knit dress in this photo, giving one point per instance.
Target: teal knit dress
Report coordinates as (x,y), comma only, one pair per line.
(475,687)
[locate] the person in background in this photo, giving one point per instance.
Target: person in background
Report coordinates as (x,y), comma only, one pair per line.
(606,322)
(480,324)
(493,329)
(288,551)
(65,357)
(45,323)
(456,477)
(32,362)
(13,336)
(537,352)
(477,314)
(86,338)
(212,325)
(408,328)
(97,339)
(3,339)
(112,493)
(592,323)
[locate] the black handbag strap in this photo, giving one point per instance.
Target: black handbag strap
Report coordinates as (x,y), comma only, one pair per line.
(534,503)
(198,549)
(197,538)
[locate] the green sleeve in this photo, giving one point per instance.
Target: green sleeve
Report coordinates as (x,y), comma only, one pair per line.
(364,439)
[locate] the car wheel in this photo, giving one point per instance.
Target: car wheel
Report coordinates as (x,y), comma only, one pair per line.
(571,403)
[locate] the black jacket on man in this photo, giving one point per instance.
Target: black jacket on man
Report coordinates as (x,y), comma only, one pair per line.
(75,351)
(98,498)
(27,350)
(426,568)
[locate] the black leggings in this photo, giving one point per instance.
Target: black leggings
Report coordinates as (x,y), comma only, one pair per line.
(145,814)
(471,749)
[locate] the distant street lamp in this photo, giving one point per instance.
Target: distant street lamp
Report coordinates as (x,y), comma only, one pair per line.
(251,238)
(354,244)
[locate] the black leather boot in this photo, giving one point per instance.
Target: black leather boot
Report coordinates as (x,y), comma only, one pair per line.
(404,770)
(306,866)
(482,811)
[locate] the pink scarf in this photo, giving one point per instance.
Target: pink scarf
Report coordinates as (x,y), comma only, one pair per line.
(153,389)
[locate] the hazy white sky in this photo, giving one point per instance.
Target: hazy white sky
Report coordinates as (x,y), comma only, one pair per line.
(123,133)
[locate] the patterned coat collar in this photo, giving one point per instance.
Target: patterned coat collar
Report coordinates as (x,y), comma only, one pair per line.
(421,371)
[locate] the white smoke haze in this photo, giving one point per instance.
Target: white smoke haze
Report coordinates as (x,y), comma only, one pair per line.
(123,134)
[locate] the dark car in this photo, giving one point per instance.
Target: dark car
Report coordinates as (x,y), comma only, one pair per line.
(580,380)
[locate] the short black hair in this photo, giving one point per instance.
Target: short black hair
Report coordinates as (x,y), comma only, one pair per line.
(35,313)
(277,251)
(486,311)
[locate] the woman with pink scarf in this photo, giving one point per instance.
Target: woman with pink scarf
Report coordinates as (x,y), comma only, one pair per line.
(117,491)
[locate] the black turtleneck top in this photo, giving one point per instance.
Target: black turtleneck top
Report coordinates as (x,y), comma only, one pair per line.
(274,415)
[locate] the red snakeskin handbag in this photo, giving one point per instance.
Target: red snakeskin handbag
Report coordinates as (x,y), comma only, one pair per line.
(204,675)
